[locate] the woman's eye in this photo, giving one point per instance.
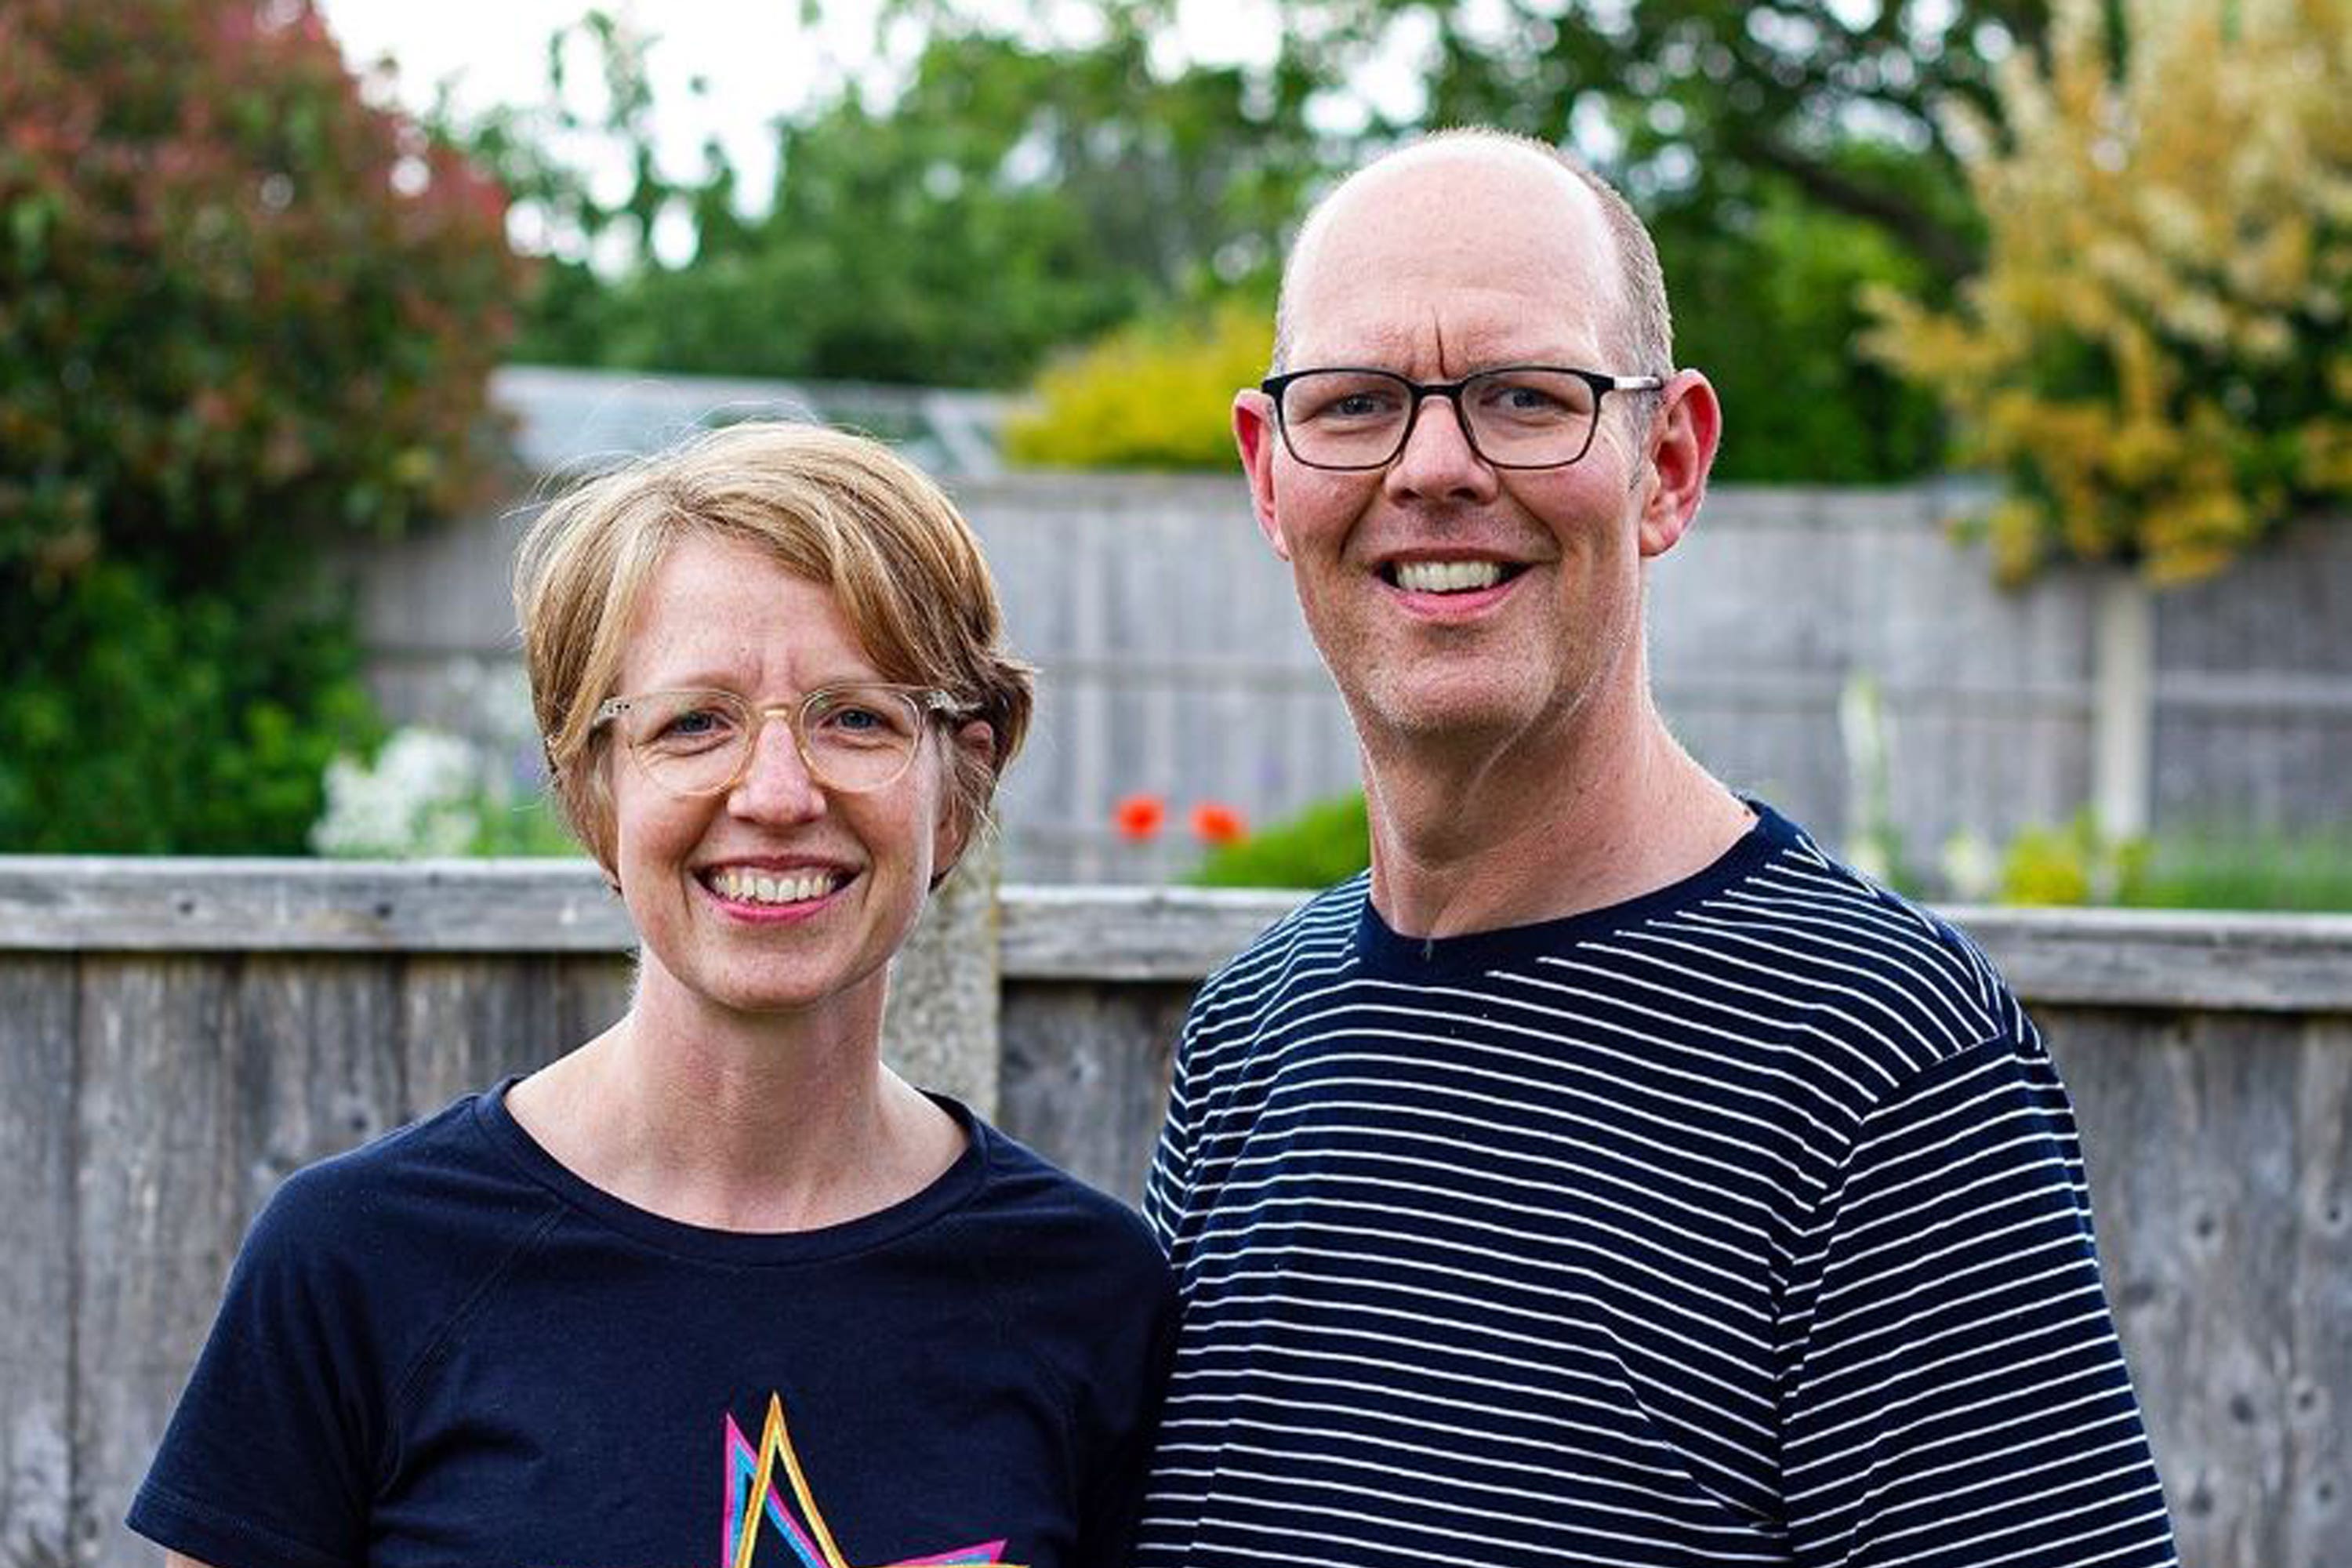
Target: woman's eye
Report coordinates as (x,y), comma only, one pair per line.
(860,722)
(690,727)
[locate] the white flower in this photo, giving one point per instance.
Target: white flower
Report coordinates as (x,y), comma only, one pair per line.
(423,796)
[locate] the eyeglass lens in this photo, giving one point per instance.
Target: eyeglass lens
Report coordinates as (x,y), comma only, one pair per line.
(1360,418)
(852,738)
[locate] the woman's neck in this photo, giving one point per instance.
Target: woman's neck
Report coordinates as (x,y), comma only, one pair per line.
(739,1122)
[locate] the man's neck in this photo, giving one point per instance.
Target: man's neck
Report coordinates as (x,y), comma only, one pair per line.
(1524,832)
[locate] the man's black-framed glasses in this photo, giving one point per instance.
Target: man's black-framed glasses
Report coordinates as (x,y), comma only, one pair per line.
(1515,416)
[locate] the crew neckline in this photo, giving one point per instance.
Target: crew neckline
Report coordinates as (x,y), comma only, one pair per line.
(947,1193)
(1380,948)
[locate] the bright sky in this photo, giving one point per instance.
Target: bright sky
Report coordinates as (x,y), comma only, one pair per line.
(754,56)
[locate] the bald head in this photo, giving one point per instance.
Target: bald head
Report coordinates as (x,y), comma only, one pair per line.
(1496,191)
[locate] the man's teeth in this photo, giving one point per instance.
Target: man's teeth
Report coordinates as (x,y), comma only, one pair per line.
(759,888)
(1446,577)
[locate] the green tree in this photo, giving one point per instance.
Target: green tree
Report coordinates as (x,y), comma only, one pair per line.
(1712,101)
(242,314)
(2158,355)
(1010,199)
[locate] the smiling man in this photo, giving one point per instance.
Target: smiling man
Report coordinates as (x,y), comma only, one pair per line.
(1608,1176)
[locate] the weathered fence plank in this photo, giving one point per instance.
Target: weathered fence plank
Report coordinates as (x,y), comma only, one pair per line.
(37,1251)
(1085,1073)
(2217,1150)
(163,1201)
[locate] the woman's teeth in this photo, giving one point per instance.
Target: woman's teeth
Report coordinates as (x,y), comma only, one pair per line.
(761,887)
(1446,577)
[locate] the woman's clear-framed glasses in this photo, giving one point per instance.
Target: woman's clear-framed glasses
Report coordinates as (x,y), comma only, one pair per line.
(854,738)
(1515,416)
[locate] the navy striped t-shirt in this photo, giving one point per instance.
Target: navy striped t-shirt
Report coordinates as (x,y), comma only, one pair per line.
(1742,1223)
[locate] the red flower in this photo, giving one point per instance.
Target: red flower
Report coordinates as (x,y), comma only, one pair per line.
(1214,822)
(1139,817)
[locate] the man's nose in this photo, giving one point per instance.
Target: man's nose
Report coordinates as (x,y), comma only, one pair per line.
(1437,460)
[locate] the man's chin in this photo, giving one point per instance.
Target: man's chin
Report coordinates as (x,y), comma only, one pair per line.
(1437,714)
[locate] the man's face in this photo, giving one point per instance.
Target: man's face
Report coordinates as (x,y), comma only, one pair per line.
(1456,601)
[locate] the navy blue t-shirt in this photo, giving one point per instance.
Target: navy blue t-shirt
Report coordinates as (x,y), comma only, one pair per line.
(446,1349)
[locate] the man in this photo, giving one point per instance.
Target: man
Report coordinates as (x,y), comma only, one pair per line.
(1608,1176)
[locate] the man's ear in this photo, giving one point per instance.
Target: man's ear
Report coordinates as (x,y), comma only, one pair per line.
(1682,437)
(1255,434)
(975,747)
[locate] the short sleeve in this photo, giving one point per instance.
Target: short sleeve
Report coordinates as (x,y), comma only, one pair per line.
(1954,1390)
(1169,1180)
(270,1458)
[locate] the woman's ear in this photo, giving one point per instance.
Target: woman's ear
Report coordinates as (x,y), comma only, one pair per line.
(972,753)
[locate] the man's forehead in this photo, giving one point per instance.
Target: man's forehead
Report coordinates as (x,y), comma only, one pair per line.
(1459,330)
(1474,193)
(1484,252)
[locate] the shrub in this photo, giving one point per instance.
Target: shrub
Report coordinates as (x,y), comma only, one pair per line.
(2280,872)
(242,314)
(2157,355)
(1154,394)
(1328,842)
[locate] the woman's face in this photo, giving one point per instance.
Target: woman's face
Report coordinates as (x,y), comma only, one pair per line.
(777,896)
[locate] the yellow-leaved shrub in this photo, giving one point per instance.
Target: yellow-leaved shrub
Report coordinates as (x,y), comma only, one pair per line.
(1154,394)
(2155,355)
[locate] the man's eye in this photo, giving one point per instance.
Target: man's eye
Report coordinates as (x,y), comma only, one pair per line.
(1356,406)
(1522,397)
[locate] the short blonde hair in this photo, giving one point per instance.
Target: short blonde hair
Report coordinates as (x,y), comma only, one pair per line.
(839,510)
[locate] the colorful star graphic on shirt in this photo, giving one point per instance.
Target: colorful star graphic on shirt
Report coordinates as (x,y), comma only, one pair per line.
(752,1495)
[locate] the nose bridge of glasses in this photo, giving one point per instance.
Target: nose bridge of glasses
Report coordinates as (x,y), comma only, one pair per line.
(1448,393)
(759,722)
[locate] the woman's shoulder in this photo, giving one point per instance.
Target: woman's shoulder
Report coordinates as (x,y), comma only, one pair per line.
(419,1199)
(449,1145)
(1025,1193)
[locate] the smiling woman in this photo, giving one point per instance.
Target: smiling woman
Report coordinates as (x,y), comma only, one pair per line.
(770,672)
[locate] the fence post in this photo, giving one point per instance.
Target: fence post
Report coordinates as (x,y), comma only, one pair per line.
(2122,719)
(940,1030)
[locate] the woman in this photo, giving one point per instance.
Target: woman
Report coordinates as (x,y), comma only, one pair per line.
(720,1241)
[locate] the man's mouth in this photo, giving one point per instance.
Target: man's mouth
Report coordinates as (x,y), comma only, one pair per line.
(1445,576)
(746,886)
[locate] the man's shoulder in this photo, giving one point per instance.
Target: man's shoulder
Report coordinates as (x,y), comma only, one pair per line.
(1324,922)
(1802,937)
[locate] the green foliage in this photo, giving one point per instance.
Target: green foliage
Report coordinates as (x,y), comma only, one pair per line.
(1328,842)
(2158,355)
(427,793)
(141,719)
(2185,868)
(2310,872)
(2075,864)
(1155,394)
(1013,198)
(1766,296)
(1019,196)
(1708,102)
(242,314)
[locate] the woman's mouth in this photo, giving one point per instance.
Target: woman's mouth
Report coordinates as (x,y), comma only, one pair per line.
(744,886)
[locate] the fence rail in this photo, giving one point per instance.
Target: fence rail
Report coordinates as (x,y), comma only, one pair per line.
(176,1035)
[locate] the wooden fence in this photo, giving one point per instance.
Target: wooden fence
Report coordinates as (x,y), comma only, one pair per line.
(1174,663)
(176,1035)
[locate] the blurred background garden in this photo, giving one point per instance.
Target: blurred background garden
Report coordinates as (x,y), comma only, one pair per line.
(2027,575)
